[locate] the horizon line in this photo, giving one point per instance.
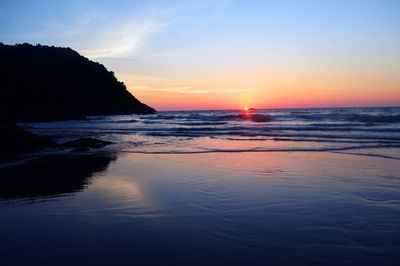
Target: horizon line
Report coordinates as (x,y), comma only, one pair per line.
(279,108)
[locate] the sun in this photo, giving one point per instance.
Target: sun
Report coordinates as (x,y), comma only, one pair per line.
(246,108)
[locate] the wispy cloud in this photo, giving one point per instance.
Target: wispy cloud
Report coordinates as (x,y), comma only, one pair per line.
(96,34)
(134,80)
(162,84)
(126,38)
(329,90)
(198,91)
(191,90)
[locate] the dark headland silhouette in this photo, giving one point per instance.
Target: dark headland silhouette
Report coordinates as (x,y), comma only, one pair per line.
(42,83)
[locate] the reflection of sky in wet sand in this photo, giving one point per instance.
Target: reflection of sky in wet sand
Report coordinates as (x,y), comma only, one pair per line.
(181,185)
(312,208)
(123,197)
(117,188)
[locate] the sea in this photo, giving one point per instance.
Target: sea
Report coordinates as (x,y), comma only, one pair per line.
(369,131)
(314,186)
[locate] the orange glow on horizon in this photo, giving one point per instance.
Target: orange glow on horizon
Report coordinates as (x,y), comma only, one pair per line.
(300,97)
(300,91)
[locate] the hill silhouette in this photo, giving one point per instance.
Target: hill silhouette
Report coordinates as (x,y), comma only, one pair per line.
(43,83)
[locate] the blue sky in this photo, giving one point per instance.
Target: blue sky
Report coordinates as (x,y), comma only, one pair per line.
(225,48)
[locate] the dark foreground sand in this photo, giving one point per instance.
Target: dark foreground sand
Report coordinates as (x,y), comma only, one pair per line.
(276,208)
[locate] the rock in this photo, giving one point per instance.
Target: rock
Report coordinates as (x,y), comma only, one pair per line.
(42,83)
(16,141)
(84,144)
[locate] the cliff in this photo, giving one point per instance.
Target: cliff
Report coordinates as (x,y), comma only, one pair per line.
(42,83)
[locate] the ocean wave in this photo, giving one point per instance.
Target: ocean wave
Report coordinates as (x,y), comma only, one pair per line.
(228,117)
(199,123)
(256,117)
(97,121)
(322,128)
(246,116)
(261,129)
(375,118)
(209,132)
(300,112)
(317,149)
(314,117)
(162,117)
(294,139)
(211,117)
(355,141)
(370,155)
(350,117)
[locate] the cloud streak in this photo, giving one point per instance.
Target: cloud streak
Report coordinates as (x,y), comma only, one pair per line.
(190,90)
(124,39)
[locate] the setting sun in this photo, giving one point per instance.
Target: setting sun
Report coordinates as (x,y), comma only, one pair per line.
(246,108)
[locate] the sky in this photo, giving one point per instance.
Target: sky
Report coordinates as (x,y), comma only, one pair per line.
(194,55)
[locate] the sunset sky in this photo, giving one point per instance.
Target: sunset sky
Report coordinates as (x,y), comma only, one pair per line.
(182,55)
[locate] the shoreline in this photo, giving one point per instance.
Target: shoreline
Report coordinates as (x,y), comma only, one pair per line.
(42,155)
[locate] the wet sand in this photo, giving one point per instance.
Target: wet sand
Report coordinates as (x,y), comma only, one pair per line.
(277,208)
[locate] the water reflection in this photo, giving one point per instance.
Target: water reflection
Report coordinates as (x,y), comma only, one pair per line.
(51,176)
(211,209)
(125,189)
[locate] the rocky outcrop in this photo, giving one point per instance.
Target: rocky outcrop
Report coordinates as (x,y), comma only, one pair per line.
(84,144)
(15,141)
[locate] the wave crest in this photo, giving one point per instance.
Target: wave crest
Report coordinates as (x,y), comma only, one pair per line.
(375,118)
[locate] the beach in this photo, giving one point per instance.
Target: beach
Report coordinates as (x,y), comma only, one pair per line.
(200,133)
(236,208)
